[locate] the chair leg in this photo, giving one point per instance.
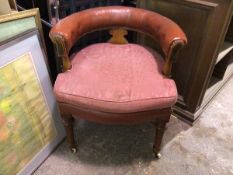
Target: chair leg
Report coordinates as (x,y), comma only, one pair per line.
(68,121)
(159,131)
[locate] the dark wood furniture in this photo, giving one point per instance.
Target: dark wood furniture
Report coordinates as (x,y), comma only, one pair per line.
(206,63)
(108,100)
(71,6)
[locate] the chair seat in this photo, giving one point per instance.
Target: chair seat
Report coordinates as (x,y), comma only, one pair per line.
(117,79)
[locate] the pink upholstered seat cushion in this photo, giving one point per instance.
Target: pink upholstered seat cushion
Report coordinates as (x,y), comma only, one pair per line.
(116,78)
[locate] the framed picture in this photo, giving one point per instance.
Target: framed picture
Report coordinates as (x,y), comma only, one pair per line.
(30,126)
(16,23)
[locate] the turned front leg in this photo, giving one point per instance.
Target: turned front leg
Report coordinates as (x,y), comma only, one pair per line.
(68,122)
(159,131)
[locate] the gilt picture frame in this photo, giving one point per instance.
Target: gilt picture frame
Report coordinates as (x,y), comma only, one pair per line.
(30,126)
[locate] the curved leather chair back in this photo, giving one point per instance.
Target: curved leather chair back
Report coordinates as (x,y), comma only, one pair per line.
(159,27)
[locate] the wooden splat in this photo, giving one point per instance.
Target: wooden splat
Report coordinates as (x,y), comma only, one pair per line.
(118,36)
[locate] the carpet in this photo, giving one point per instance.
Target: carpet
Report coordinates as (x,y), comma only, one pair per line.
(204,149)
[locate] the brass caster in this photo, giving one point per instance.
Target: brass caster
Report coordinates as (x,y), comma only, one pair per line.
(158,155)
(73,150)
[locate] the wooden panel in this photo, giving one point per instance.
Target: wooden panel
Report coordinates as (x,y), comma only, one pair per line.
(216,27)
(205,23)
(182,12)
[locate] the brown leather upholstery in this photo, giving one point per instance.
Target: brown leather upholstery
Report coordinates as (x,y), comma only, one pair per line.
(159,27)
(117,84)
